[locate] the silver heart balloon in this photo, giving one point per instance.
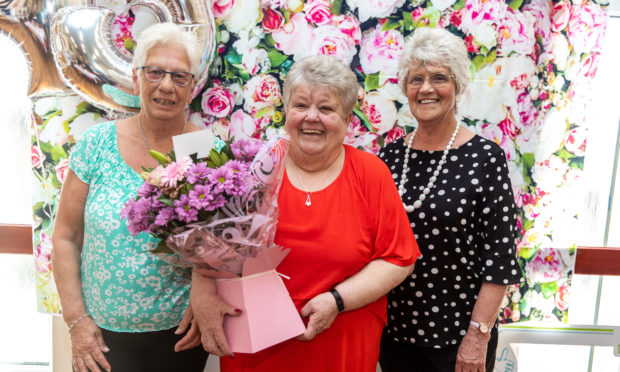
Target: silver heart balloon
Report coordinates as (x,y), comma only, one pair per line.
(28,23)
(91,64)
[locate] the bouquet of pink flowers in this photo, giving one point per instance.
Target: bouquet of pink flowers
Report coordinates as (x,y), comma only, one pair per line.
(212,213)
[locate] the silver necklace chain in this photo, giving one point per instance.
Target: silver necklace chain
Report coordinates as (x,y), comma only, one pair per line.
(431,182)
(308,202)
(146,141)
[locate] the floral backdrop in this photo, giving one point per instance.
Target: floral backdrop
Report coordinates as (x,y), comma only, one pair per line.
(533,63)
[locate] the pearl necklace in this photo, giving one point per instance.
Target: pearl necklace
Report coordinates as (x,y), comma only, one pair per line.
(146,141)
(431,181)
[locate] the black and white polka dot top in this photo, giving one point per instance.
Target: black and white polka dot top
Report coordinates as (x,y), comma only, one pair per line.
(466,231)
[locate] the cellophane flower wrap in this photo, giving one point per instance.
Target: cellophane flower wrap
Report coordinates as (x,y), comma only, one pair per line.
(214,213)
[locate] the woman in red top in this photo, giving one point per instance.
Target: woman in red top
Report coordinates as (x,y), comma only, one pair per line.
(350,239)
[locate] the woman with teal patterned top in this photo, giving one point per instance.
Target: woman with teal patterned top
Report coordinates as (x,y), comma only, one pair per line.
(126,309)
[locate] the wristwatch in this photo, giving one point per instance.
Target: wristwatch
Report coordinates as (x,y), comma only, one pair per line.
(482,327)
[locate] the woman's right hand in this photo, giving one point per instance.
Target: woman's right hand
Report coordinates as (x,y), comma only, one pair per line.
(87,347)
(209,311)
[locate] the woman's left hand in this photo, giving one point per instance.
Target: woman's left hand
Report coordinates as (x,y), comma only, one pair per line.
(321,311)
(472,353)
(192,337)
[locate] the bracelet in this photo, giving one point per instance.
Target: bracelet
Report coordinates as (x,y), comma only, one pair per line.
(339,302)
(75,322)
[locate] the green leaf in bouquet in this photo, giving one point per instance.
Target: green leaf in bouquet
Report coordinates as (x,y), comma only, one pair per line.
(161,158)
(276,58)
(227,150)
(215,158)
(211,164)
(224,157)
(164,199)
(407,21)
(162,248)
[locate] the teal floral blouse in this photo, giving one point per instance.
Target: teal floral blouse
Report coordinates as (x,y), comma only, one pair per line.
(125,288)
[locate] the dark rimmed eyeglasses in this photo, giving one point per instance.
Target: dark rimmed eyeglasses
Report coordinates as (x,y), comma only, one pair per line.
(156,74)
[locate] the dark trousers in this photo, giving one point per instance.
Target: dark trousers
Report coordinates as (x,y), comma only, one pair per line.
(152,352)
(406,357)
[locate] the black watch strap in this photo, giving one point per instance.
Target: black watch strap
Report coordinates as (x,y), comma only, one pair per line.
(339,301)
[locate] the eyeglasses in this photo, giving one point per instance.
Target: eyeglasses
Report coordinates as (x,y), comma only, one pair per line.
(156,74)
(435,80)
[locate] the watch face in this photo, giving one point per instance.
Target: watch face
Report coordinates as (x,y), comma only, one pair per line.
(483,328)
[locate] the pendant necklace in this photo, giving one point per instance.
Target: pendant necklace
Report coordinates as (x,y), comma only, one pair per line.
(308,202)
(146,141)
(431,181)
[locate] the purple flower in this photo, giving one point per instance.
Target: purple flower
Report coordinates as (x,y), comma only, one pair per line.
(200,197)
(164,216)
(197,173)
(137,213)
(221,179)
(239,179)
(245,149)
(147,190)
(184,211)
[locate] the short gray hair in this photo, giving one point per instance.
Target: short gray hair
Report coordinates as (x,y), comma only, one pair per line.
(435,47)
(327,71)
(168,34)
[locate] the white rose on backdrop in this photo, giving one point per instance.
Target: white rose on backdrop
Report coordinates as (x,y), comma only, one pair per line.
(527,139)
(392,91)
(442,5)
(406,118)
(485,35)
(560,51)
(244,14)
(237,91)
(381,112)
(551,134)
(516,34)
(374,8)
(549,174)
(80,124)
(515,172)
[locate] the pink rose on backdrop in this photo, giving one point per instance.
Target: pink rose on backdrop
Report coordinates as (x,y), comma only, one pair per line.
(349,26)
(589,66)
(477,13)
(241,125)
(61,170)
(37,157)
(294,36)
(380,50)
(272,20)
(253,58)
(560,16)
(329,40)
(516,34)
(43,254)
(359,137)
(380,111)
(273,4)
(217,101)
(317,11)
(575,141)
(394,134)
(508,127)
(545,267)
(261,91)
(539,11)
(586,28)
(222,8)
(375,8)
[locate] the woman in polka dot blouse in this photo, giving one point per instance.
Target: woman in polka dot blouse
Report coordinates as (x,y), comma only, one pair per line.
(455,187)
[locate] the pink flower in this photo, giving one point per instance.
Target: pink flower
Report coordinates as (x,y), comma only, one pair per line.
(222,8)
(545,267)
(589,66)
(380,111)
(36,156)
(43,254)
(217,101)
(329,40)
(394,134)
(317,11)
(272,20)
(508,127)
(174,172)
(349,26)
(241,125)
(516,34)
(380,51)
(61,170)
(273,4)
(560,16)
(260,92)
(358,136)
(294,37)
(586,28)
(562,298)
(575,141)
(539,11)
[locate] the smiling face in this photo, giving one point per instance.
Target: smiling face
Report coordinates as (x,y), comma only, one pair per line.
(315,121)
(431,92)
(164,100)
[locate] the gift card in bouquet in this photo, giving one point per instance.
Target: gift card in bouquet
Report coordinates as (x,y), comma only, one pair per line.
(268,314)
